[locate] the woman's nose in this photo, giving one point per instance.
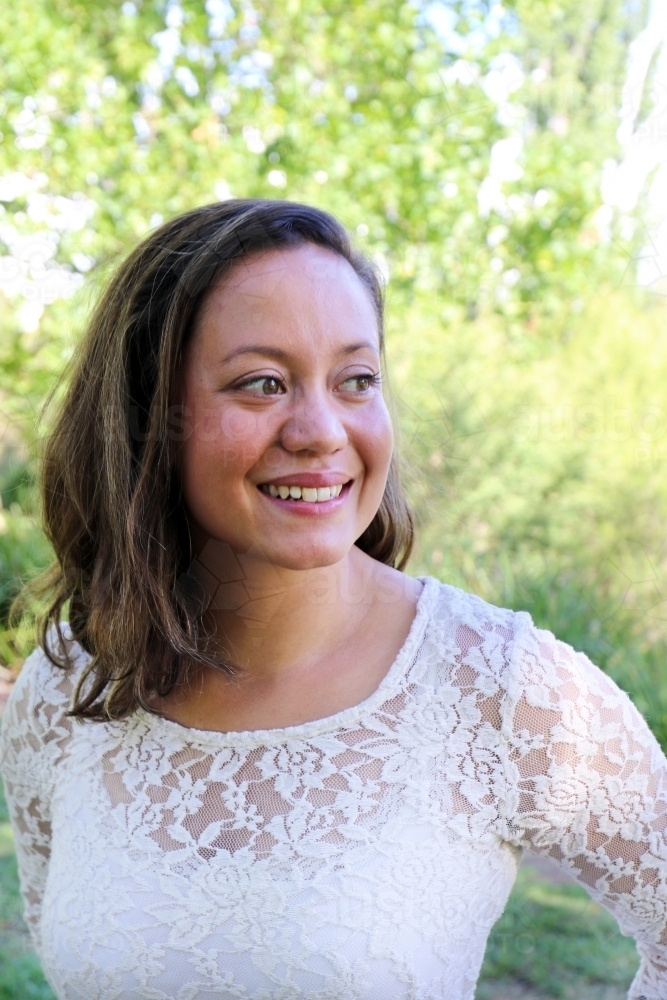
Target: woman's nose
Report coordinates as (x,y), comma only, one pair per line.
(314,424)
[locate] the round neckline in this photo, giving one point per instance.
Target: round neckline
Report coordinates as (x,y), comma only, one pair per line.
(339,720)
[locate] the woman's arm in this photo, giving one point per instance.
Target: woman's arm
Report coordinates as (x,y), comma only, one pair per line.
(30,736)
(587,786)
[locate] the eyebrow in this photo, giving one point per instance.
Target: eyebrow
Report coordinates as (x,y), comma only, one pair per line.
(280,355)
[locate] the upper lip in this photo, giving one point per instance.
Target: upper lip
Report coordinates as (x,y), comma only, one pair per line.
(309,479)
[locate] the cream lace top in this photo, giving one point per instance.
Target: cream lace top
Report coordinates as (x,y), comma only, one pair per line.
(364,856)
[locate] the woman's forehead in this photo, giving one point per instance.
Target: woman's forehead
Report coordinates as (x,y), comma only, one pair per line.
(301,289)
(270,272)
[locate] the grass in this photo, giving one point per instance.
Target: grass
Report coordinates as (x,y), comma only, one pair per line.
(552,943)
(555,942)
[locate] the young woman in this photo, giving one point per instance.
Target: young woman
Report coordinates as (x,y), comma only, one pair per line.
(260,761)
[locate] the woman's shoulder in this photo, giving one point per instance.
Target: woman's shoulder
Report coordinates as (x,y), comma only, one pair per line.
(496,660)
(494,648)
(468,644)
(465,603)
(42,693)
(468,620)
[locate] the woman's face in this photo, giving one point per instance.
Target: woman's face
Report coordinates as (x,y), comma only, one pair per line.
(289,439)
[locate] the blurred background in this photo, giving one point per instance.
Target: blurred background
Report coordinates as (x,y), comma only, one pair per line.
(506,167)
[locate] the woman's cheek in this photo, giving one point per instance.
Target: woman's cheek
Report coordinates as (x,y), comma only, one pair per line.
(229,435)
(240,428)
(375,438)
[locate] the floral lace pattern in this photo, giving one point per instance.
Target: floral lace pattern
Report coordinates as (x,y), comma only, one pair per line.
(360,857)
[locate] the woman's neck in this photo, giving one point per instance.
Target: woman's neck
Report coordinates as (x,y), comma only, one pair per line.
(304,644)
(267,618)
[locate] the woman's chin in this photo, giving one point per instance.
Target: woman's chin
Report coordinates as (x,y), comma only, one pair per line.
(307,557)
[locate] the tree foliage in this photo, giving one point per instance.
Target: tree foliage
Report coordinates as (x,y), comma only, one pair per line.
(384,113)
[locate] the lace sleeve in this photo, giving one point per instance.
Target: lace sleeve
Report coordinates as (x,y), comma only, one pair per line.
(33,726)
(587,786)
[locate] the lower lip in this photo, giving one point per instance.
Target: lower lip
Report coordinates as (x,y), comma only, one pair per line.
(306,509)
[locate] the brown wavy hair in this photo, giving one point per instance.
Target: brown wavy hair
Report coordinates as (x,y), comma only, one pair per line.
(112,503)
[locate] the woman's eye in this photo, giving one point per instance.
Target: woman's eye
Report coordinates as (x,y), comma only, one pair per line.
(264,386)
(359,383)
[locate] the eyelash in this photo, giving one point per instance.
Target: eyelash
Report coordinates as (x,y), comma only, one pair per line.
(258,380)
(372,380)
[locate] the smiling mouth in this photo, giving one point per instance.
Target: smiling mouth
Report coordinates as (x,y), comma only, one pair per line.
(306,494)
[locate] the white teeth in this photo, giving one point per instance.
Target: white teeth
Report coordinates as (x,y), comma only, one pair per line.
(309,494)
